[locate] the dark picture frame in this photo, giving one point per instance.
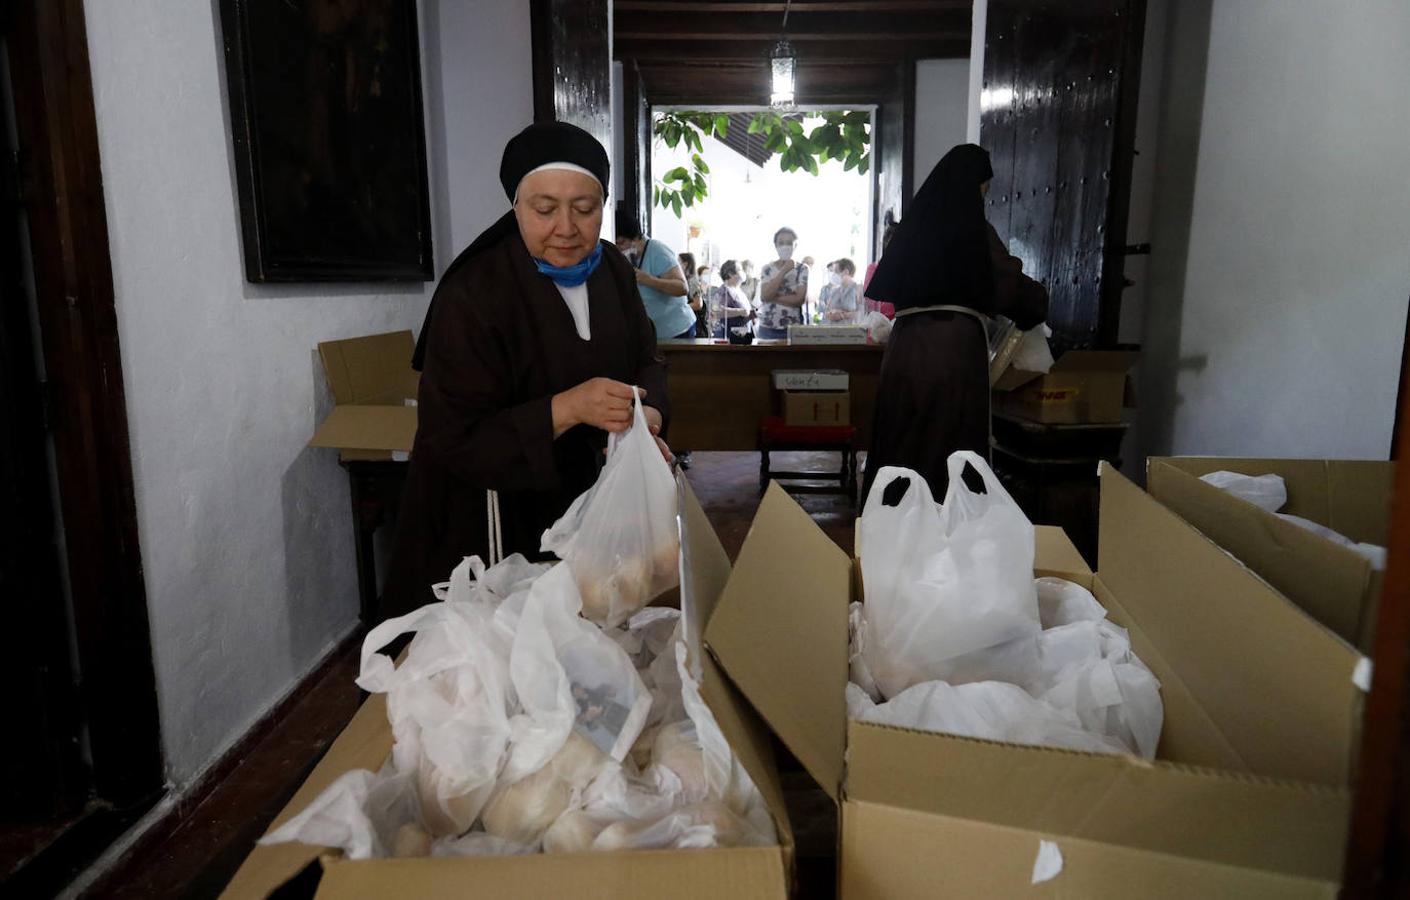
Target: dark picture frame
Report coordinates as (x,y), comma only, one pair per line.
(329,139)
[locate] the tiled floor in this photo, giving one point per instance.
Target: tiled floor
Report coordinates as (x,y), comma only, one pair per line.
(200,855)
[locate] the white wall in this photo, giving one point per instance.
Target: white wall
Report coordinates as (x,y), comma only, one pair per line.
(978,20)
(246,536)
(1276,306)
(942,111)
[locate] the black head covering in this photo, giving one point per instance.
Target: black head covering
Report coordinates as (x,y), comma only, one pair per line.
(539,144)
(940,250)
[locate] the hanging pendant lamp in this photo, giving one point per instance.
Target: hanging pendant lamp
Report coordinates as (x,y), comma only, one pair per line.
(783,64)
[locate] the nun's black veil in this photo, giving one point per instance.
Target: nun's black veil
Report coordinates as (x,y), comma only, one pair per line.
(537,145)
(939,253)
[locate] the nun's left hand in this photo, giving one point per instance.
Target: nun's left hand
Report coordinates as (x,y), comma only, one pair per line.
(653,421)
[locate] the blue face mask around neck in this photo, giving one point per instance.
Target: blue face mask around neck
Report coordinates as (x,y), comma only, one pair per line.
(574,275)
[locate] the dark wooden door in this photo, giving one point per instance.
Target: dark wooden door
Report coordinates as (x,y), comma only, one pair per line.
(43,776)
(78,643)
(573,65)
(1057,115)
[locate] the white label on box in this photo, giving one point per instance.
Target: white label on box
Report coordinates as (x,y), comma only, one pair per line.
(805,380)
(826,334)
(400,455)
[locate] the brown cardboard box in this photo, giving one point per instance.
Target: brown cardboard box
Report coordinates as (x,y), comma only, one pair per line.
(817,408)
(1339,588)
(1248,797)
(738,873)
(374,389)
(1084,387)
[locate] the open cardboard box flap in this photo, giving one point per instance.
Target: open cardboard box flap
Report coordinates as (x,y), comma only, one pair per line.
(791,586)
(374,389)
(744,873)
(1260,716)
(1276,683)
(1336,585)
(780,632)
(371,369)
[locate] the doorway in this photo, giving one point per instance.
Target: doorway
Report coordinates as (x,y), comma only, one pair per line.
(83,748)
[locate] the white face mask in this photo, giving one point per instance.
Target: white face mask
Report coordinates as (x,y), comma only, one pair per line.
(785,251)
(834,279)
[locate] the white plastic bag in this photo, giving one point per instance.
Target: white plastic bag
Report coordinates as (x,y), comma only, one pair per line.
(877,325)
(448,706)
(1033,353)
(990,710)
(1062,602)
(943,584)
(856,658)
(360,814)
(1267,492)
(620,537)
(568,674)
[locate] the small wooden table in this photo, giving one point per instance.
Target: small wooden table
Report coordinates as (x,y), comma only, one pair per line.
(719,391)
(374,486)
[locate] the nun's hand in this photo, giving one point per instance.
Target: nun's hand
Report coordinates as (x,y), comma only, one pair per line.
(653,421)
(600,402)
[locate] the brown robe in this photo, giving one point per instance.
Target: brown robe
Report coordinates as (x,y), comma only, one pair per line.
(501,342)
(933,393)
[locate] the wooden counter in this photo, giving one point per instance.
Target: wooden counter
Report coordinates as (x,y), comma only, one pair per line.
(720,391)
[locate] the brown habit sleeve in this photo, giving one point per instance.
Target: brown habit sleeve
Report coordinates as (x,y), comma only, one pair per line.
(461,418)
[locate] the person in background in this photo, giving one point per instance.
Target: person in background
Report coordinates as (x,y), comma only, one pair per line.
(531,347)
(707,289)
(694,292)
(659,279)
(749,284)
(873,305)
(813,287)
(783,289)
(730,309)
(840,301)
(945,270)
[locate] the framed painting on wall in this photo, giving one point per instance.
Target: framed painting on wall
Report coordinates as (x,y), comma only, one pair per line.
(329,140)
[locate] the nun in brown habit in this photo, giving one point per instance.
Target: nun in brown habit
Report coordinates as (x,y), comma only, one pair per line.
(944,268)
(532,342)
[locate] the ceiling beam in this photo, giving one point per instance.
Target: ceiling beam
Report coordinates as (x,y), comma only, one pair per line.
(836,52)
(725,7)
(793,37)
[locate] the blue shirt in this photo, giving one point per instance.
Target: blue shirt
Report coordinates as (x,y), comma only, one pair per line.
(671,315)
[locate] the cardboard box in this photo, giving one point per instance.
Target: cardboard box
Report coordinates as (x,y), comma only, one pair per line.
(804,335)
(1084,387)
(811,379)
(1248,797)
(739,873)
(374,392)
(817,408)
(1338,587)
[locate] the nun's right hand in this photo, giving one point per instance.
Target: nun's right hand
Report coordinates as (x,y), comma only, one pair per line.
(599,402)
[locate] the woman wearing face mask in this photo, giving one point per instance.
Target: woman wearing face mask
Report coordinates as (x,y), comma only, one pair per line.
(783,289)
(730,310)
(945,269)
(659,278)
(841,297)
(531,347)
